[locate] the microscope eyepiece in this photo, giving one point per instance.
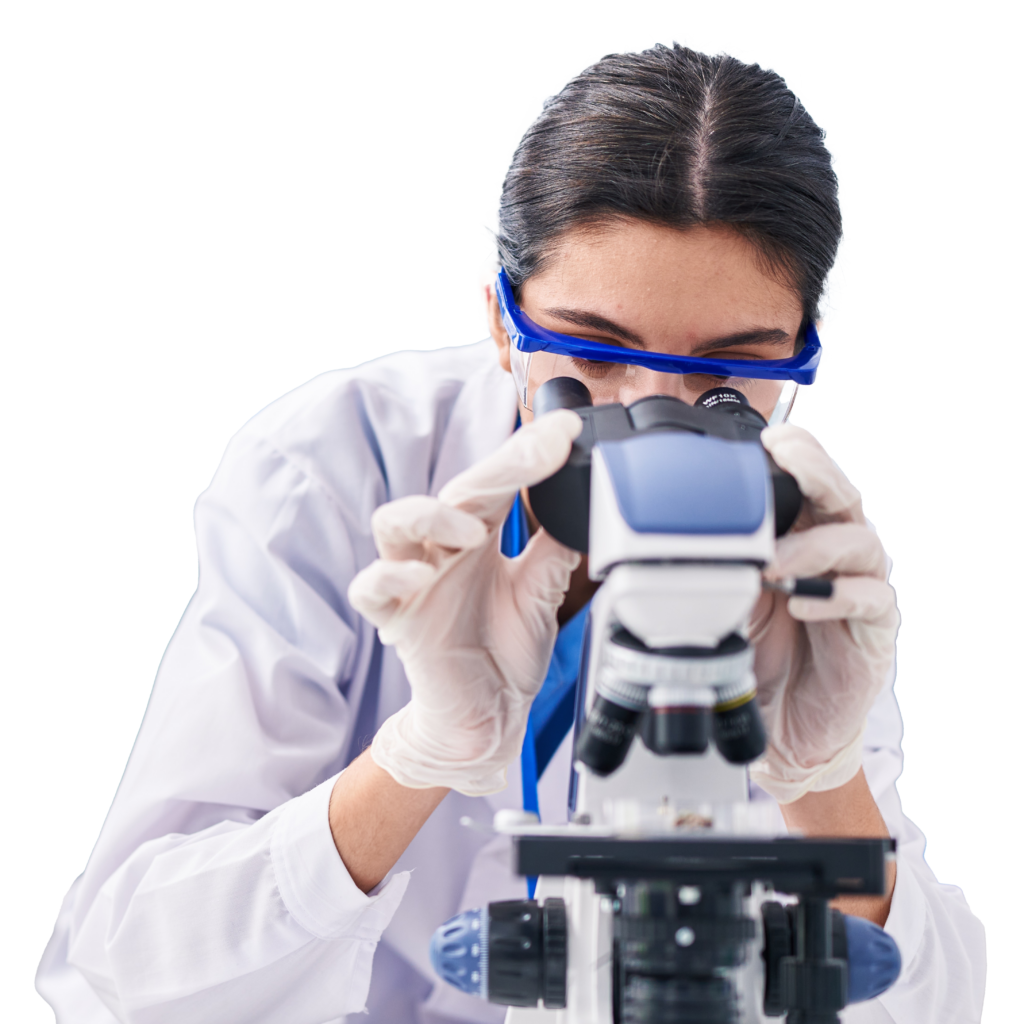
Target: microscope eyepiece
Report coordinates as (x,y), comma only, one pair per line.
(561,393)
(722,396)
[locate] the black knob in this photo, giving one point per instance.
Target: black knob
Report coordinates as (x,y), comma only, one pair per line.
(556,953)
(527,953)
(872,957)
(778,942)
(813,980)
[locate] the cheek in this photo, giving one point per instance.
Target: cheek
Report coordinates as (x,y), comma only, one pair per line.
(764,395)
(644,383)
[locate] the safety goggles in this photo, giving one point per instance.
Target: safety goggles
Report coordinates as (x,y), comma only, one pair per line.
(614,373)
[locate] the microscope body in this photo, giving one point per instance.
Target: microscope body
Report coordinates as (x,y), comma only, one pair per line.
(652,903)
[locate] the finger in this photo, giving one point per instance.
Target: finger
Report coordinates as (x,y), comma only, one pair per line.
(402,528)
(531,454)
(854,598)
(848,549)
(541,573)
(822,483)
(383,587)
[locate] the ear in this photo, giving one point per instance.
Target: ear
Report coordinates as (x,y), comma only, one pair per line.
(497,328)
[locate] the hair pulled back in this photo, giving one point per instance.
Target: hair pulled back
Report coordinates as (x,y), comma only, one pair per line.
(675,137)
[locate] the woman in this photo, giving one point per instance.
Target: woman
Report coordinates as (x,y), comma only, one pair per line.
(663,201)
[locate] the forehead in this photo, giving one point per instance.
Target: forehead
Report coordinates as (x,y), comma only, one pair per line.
(655,279)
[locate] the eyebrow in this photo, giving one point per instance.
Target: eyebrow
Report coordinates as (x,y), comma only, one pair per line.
(596,322)
(755,336)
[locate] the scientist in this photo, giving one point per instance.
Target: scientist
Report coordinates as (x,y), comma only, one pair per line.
(359,665)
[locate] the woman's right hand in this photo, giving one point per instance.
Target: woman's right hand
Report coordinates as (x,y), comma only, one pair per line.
(473,629)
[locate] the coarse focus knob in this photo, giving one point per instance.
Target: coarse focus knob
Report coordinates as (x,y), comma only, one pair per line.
(516,957)
(514,953)
(813,979)
(871,955)
(556,954)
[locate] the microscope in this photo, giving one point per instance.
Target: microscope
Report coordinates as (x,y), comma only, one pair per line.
(670,896)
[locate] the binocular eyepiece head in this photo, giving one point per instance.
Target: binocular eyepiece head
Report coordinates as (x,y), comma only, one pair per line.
(562,502)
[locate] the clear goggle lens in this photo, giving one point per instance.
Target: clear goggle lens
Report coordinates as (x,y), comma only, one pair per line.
(621,382)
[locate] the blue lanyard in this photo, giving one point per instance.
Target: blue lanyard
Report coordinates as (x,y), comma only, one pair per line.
(551,714)
(514,536)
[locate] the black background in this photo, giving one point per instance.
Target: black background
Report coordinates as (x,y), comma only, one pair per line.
(216,214)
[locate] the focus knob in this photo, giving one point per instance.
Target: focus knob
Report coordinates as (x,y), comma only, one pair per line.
(556,954)
(514,953)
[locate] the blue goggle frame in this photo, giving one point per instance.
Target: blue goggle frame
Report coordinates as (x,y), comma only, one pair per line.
(530,337)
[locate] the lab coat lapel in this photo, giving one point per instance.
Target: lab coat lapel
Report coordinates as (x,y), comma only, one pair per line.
(483,416)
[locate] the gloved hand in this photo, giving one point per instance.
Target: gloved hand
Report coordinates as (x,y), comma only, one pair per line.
(474,629)
(820,663)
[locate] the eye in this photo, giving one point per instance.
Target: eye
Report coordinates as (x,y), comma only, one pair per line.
(701,382)
(592,368)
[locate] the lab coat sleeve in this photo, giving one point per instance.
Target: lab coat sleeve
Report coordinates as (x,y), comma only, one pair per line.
(942,944)
(238,922)
(215,892)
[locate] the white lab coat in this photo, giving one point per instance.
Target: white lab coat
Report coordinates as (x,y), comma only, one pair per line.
(215,894)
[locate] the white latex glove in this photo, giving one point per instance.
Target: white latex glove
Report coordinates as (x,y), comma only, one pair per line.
(474,629)
(820,663)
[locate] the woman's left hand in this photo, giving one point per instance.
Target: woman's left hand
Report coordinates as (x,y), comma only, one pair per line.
(820,663)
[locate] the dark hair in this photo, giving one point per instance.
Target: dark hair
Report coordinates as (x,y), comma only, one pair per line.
(676,137)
